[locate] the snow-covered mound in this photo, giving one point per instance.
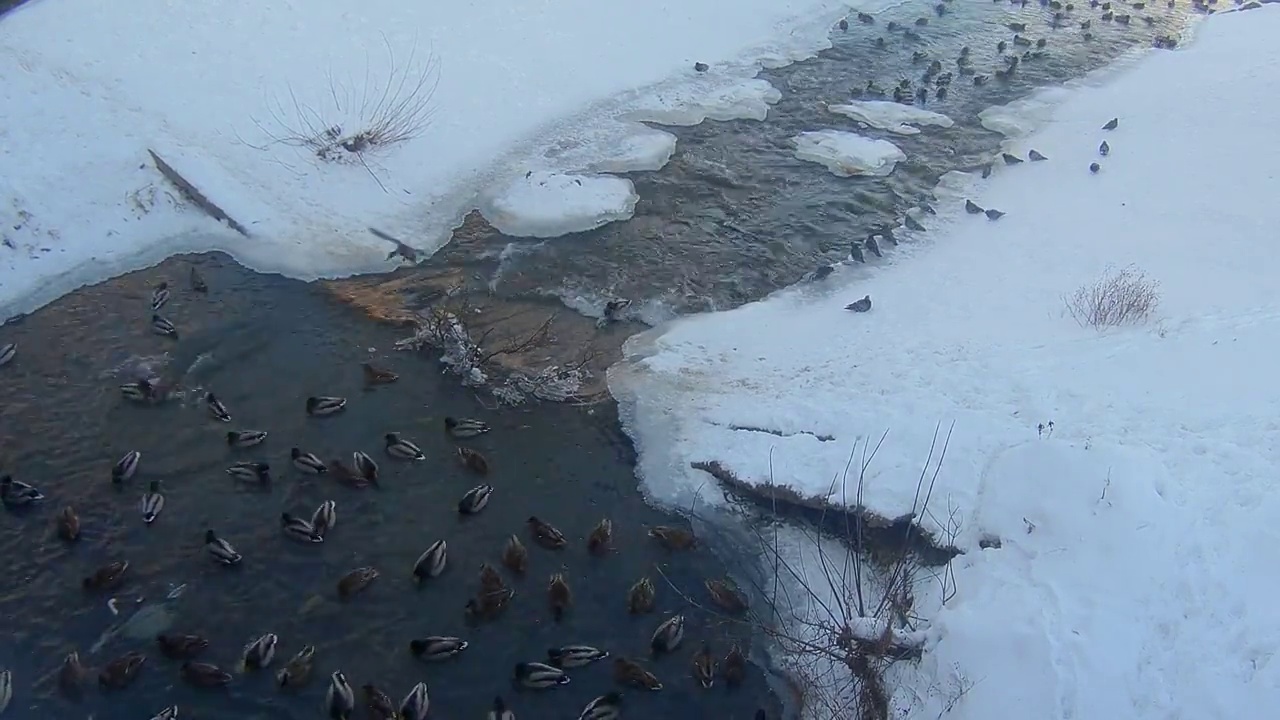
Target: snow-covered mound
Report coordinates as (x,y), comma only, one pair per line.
(544,204)
(892,116)
(847,154)
(1137,525)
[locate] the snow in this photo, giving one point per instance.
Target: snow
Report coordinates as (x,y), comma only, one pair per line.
(847,154)
(892,116)
(1135,534)
(245,99)
(545,204)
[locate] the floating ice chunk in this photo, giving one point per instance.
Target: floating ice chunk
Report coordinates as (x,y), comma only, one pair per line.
(847,154)
(894,117)
(711,100)
(548,204)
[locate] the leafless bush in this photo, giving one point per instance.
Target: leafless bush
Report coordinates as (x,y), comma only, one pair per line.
(1121,297)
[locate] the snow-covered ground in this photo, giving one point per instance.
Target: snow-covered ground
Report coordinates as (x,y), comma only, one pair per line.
(244,101)
(1134,578)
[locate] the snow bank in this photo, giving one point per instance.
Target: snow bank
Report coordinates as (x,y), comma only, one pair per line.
(544,204)
(847,154)
(892,116)
(261,93)
(1128,581)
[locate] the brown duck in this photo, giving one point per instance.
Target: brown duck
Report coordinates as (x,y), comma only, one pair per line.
(515,556)
(378,703)
(107,577)
(121,672)
(734,667)
(641,597)
(473,461)
(725,597)
(377,376)
(559,595)
(704,666)
(632,674)
(205,675)
(601,538)
(545,534)
(490,580)
(346,475)
(71,675)
(673,538)
(356,581)
(488,605)
(181,647)
(69,524)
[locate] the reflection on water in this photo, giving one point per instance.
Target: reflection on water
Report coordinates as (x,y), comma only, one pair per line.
(268,343)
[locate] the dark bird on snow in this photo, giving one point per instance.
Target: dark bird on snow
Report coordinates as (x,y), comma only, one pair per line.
(886,233)
(874,246)
(994,214)
(1036,156)
(912,223)
(986,171)
(1001,46)
(1104,149)
(928,208)
(855,252)
(1094,168)
(862,305)
(843,24)
(701,67)
(971,207)
(1010,159)
(1112,124)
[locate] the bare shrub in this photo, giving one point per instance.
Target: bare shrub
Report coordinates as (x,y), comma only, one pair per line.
(1120,297)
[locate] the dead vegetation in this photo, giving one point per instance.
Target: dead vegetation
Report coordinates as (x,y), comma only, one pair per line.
(1120,297)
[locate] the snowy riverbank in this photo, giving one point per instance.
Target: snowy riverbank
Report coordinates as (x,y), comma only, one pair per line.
(1132,530)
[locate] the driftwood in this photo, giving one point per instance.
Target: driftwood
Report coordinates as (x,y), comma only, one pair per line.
(194,195)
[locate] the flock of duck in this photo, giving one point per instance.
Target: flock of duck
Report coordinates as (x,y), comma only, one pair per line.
(362,471)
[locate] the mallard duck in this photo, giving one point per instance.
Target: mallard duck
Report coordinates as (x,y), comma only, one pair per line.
(488,605)
(205,675)
(70,676)
(673,538)
(245,438)
(499,711)
(598,542)
(181,647)
(475,500)
(325,517)
(704,666)
(162,326)
(365,466)
(298,529)
(605,707)
(259,653)
(216,408)
(17,494)
(431,562)
(297,671)
(376,376)
(323,405)
(152,503)
(159,296)
(169,713)
(339,700)
(69,524)
(126,467)
(8,353)
(539,676)
(197,281)
(437,647)
(107,577)
(631,673)
(378,703)
(515,556)
(725,596)
(641,597)
(356,581)
(559,596)
(307,463)
(464,427)
(490,580)
(572,656)
(221,550)
(346,475)
(416,704)
(546,534)
(119,673)
(668,635)
(142,391)
(398,447)
(734,667)
(251,472)
(473,460)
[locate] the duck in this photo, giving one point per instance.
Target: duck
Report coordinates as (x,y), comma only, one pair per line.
(221,550)
(598,542)
(169,713)
(152,503)
(197,281)
(873,246)
(295,673)
(161,325)
(72,674)
(378,703)
(464,427)
(1094,168)
(437,647)
(1112,124)
(216,408)
(972,207)
(181,647)
(7,353)
(298,529)
(574,656)
(1010,159)
(365,465)
(734,667)
(668,636)
(377,376)
(307,463)
(545,534)
(725,596)
(539,676)
(126,467)
(993,214)
(252,472)
(605,707)
(633,674)
(673,538)
(499,711)
(142,391)
(398,447)
(346,475)
(431,562)
(107,577)
(1104,149)
(473,461)
(515,556)
(416,704)
(245,438)
(490,580)
(319,406)
(641,597)
(1036,156)
(17,494)
(704,666)
(559,596)
(339,700)
(487,605)
(865,18)
(325,517)
(121,672)
(159,296)
(68,524)
(1002,46)
(912,223)
(356,581)
(475,500)
(206,675)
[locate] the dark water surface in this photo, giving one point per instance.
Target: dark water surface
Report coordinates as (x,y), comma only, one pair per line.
(274,342)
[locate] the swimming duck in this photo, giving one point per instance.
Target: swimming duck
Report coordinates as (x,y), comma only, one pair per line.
(490,580)
(431,562)
(464,427)
(673,538)
(339,700)
(169,713)
(377,376)
(488,605)
(725,596)
(573,656)
(252,472)
(68,524)
(181,647)
(398,447)
(142,391)
(873,90)
(259,653)
(356,581)
(159,296)
(197,281)
(107,577)
(972,208)
(325,517)
(473,460)
(633,674)
(559,595)
(1017,26)
(324,405)
(221,550)
(346,475)
(299,529)
(668,636)
(546,534)
(499,709)
(162,326)
(126,467)
(865,19)
(475,499)
(206,675)
(855,252)
(378,703)
(245,438)
(70,676)
(8,353)
(704,666)
(601,537)
(734,667)
(152,503)
(514,555)
(641,597)
(605,707)
(437,647)
(17,494)
(365,465)
(295,673)
(121,672)
(539,676)
(1036,156)
(307,463)
(1001,46)
(416,704)
(216,408)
